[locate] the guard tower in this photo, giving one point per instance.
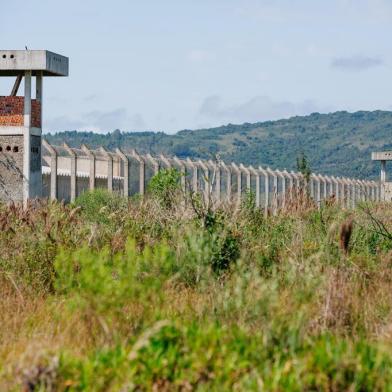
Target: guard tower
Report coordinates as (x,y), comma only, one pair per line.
(21,121)
(385,186)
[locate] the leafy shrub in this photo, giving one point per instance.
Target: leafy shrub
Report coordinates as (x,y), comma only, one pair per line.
(99,204)
(164,186)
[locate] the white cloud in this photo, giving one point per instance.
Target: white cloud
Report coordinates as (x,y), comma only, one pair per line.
(98,121)
(356,63)
(199,56)
(259,108)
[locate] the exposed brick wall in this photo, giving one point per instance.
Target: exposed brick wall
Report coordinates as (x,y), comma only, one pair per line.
(12,108)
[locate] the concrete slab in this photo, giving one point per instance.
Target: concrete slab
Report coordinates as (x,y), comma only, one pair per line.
(382,156)
(13,62)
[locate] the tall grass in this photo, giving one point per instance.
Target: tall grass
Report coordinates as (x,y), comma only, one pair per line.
(149,294)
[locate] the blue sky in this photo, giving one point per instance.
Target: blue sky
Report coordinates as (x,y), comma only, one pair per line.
(175,64)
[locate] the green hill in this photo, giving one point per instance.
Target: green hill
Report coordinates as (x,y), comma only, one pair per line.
(337,143)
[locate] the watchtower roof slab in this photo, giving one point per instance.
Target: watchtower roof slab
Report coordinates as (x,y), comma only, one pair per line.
(382,156)
(15,62)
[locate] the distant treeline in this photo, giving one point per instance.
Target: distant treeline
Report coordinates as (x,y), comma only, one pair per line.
(336,144)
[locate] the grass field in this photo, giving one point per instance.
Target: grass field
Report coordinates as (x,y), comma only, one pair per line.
(168,294)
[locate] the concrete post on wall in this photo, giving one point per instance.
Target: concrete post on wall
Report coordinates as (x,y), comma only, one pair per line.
(109,159)
(274,200)
(283,192)
(92,169)
(206,178)
(216,179)
(266,189)
(296,180)
(311,184)
(227,169)
(336,183)
(257,190)
(73,174)
(248,176)
(165,161)
(324,187)
(290,189)
(182,171)
(142,171)
(195,176)
(53,169)
(237,171)
(126,177)
(154,162)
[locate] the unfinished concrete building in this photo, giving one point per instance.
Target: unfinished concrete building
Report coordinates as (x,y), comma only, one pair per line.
(21,121)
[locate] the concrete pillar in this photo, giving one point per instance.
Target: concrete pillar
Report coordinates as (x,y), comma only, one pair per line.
(274,190)
(154,162)
(165,161)
(318,190)
(142,171)
(53,170)
(26,137)
(109,159)
(183,173)
(324,188)
(72,155)
(215,166)
(257,177)
(126,177)
(227,169)
(206,178)
(195,179)
(311,183)
(239,181)
(283,192)
(39,92)
(91,156)
(248,176)
(336,182)
(266,189)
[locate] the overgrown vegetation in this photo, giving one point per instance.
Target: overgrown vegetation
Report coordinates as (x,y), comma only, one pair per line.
(172,293)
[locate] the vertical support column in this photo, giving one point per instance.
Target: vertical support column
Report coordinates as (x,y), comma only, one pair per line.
(53,170)
(39,93)
(318,191)
(26,137)
(217,176)
(125,160)
(228,181)
(183,173)
(142,172)
(274,191)
(109,168)
(257,177)
(336,182)
(248,176)
(311,184)
(73,171)
(206,177)
(266,190)
(92,166)
(195,181)
(283,178)
(239,182)
(154,162)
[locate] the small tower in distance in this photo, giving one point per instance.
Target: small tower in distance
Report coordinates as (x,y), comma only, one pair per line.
(21,121)
(385,186)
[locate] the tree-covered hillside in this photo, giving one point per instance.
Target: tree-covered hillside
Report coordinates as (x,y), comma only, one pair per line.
(337,143)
